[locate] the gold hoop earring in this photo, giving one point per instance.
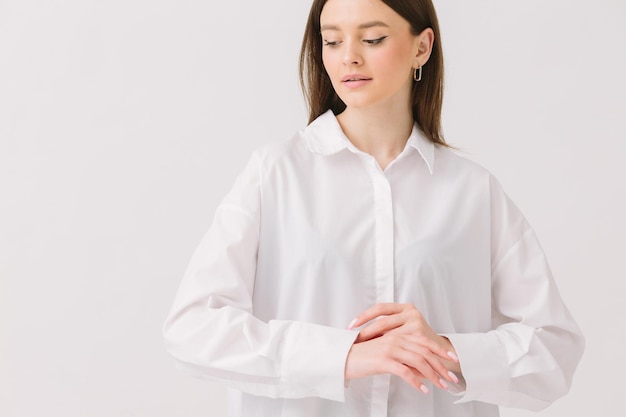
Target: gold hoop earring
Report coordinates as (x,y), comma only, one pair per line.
(417,74)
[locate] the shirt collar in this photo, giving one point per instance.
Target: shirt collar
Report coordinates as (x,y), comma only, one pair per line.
(325,137)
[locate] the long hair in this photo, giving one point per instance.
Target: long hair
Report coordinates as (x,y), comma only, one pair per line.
(427,94)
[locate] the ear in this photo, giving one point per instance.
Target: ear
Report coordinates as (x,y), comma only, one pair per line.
(423,47)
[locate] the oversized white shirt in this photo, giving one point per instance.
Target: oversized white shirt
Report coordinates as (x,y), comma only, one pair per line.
(313,232)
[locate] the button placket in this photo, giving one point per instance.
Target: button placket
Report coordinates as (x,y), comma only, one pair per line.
(384,261)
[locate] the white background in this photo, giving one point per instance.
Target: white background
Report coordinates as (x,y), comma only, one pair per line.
(123,123)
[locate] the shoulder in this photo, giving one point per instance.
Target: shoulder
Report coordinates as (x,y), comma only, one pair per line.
(451,163)
(323,136)
(281,151)
(269,162)
(505,214)
(281,159)
(453,166)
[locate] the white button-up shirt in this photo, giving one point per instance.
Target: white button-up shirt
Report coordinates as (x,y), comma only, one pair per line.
(314,232)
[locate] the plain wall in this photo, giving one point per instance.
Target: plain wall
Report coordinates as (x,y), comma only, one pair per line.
(123,123)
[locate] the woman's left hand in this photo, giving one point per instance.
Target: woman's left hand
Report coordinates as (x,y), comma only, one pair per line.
(404,319)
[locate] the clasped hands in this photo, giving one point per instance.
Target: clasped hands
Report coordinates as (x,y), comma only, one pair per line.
(397,340)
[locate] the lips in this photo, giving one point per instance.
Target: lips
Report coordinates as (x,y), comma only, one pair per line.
(355,77)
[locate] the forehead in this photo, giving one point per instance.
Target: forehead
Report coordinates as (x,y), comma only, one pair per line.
(346,14)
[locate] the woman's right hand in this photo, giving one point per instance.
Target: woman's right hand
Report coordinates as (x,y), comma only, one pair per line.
(397,354)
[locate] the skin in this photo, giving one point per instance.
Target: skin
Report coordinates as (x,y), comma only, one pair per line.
(369,43)
(399,341)
(378,117)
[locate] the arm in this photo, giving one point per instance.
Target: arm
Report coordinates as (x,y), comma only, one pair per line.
(529,358)
(212,333)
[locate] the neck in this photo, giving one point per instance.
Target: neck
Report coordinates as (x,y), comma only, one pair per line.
(382,133)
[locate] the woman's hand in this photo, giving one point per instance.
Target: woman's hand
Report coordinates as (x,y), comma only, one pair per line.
(398,354)
(400,338)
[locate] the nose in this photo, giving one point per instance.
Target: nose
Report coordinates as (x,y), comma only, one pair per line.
(352,53)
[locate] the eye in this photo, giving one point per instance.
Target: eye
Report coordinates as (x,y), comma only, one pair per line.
(374,41)
(331,43)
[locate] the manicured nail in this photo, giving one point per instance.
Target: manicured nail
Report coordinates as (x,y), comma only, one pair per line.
(424,389)
(351,325)
(443,383)
(453,356)
(453,376)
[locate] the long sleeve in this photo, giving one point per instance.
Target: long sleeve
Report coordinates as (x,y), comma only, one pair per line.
(211,330)
(529,358)
(312,234)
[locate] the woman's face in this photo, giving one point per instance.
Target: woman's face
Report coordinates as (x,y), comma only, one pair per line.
(369,53)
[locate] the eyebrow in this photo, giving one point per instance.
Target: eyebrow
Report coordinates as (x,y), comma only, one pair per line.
(367,25)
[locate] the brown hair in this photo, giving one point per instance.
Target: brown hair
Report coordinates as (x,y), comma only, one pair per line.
(427,94)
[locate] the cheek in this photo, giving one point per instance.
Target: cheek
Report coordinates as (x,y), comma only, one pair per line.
(328,60)
(394,59)
(332,65)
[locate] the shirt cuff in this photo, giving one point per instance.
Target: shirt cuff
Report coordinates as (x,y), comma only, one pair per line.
(314,360)
(483,364)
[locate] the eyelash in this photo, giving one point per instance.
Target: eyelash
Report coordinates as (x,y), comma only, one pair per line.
(374,41)
(367,41)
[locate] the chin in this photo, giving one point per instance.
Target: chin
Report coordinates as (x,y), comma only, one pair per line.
(358,102)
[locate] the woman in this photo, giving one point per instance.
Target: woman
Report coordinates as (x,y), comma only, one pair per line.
(367,213)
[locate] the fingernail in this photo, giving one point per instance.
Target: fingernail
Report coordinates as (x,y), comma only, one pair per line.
(351,325)
(443,383)
(453,376)
(424,389)
(453,356)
